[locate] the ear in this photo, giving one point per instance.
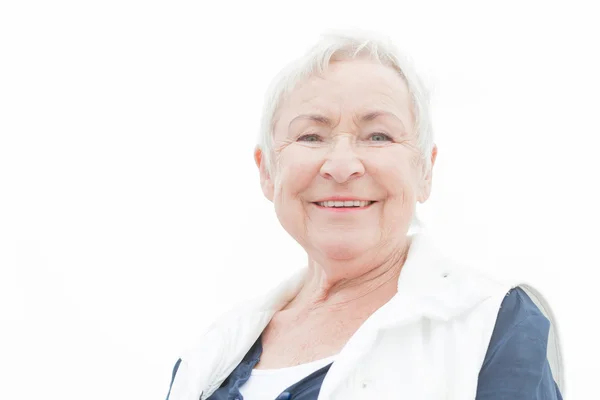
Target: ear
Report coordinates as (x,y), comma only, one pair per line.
(425,191)
(266,182)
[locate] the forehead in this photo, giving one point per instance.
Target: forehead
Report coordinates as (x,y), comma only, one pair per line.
(350,88)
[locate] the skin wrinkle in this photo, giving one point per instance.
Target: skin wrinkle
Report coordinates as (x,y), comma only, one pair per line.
(348,302)
(320,77)
(320,119)
(354,257)
(321,303)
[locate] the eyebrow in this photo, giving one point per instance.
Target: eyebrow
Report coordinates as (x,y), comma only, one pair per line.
(312,117)
(369,116)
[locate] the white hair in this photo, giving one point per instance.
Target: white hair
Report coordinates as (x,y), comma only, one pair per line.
(339,46)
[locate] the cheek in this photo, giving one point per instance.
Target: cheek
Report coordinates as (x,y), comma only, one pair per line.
(395,172)
(297,168)
(397,177)
(296,173)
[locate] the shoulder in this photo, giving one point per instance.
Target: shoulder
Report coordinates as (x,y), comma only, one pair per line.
(518,311)
(519,318)
(516,364)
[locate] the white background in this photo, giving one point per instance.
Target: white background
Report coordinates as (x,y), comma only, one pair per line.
(130,209)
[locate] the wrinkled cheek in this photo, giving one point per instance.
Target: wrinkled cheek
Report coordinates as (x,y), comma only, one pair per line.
(406,203)
(286,202)
(283,186)
(400,205)
(279,199)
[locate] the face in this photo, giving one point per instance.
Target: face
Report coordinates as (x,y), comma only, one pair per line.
(347,172)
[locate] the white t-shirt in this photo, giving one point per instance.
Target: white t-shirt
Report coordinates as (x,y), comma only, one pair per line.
(269,383)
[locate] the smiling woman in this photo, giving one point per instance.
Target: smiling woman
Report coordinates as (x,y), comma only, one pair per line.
(346,153)
(347,134)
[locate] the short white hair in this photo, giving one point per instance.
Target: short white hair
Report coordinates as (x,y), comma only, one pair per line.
(348,45)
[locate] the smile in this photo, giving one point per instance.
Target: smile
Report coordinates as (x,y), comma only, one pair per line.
(344,204)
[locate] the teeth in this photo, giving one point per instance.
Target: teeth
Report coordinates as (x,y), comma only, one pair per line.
(347,203)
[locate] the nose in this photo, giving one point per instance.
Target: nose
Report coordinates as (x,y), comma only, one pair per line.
(342,163)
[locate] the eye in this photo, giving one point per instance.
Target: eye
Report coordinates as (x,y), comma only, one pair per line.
(380,137)
(311,137)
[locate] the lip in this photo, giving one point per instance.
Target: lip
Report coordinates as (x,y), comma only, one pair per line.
(344,209)
(343,198)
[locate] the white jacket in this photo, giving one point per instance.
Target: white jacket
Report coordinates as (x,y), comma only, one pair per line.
(439,324)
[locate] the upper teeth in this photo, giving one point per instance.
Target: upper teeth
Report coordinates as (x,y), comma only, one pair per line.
(348,203)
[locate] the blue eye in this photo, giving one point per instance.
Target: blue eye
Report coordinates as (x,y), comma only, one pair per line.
(380,137)
(309,138)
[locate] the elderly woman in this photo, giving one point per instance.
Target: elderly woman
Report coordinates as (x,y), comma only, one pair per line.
(346,152)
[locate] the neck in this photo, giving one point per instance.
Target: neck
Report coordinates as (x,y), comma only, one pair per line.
(332,287)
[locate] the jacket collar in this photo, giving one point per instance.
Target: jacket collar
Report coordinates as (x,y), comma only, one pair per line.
(429,286)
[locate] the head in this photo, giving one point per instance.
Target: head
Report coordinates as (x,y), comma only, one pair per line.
(347,124)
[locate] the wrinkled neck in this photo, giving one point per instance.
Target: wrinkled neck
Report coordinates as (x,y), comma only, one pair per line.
(326,288)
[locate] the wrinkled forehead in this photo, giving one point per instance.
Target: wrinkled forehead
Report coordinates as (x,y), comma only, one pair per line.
(347,90)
